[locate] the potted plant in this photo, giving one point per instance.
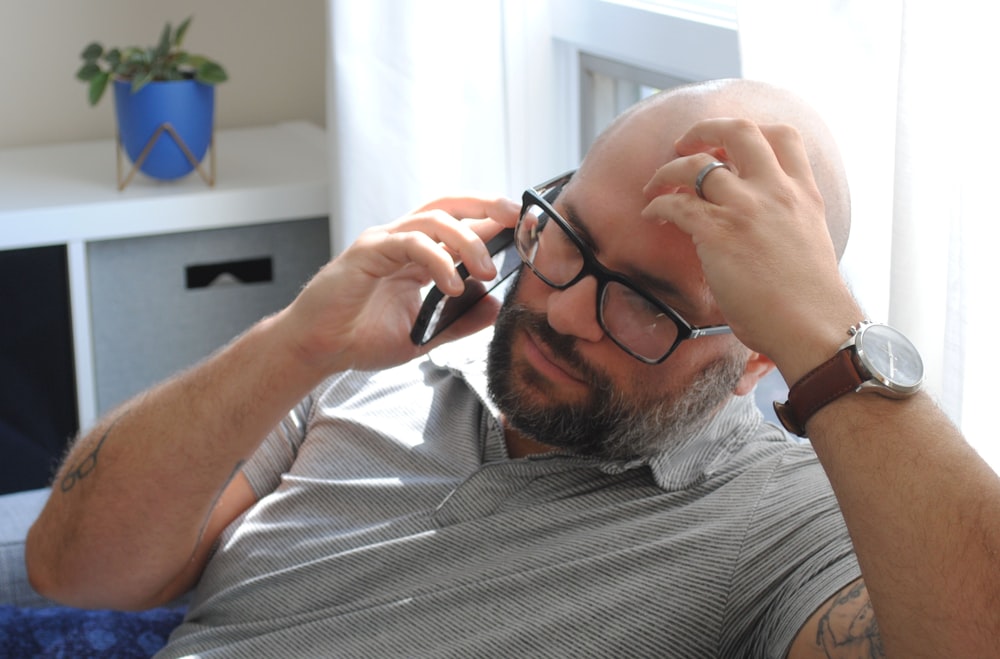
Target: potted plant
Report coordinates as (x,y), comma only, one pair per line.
(160,90)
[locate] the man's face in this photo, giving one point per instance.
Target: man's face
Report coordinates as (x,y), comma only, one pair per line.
(556,376)
(595,413)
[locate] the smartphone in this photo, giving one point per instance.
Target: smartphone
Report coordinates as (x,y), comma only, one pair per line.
(438,310)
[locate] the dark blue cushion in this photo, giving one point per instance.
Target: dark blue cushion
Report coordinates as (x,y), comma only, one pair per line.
(69,632)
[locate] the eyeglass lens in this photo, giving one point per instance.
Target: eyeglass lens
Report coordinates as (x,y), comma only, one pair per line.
(629,317)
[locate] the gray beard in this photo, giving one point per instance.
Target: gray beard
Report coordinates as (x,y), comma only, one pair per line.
(609,423)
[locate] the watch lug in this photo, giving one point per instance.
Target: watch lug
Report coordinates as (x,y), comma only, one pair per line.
(876,387)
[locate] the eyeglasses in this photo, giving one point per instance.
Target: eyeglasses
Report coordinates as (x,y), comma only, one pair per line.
(634,319)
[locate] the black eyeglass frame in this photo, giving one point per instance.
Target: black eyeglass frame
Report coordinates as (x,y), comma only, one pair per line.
(542,196)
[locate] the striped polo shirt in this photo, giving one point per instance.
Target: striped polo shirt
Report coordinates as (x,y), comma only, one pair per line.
(392,523)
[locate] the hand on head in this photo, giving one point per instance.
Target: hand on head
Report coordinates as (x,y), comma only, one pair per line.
(760,229)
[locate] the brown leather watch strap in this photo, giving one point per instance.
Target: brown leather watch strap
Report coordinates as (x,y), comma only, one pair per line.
(825,383)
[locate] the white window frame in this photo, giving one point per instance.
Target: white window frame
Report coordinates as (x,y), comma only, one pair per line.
(607,88)
(557,39)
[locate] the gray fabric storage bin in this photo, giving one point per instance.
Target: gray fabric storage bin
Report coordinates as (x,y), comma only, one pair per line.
(161,303)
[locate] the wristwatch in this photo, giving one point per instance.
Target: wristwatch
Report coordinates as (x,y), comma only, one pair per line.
(875,358)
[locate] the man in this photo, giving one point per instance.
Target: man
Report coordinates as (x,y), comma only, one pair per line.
(614,494)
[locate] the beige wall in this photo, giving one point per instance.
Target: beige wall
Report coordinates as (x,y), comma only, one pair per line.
(274,52)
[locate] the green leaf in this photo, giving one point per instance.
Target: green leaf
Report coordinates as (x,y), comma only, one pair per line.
(181,31)
(97,85)
(88,71)
(92,52)
(134,57)
(164,47)
(210,73)
(141,80)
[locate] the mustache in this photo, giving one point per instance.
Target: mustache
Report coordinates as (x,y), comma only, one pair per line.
(562,346)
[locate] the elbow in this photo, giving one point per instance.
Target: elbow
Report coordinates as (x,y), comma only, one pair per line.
(53,574)
(39,565)
(50,571)
(56,573)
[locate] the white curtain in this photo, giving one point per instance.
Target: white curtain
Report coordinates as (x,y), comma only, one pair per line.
(909,88)
(416,106)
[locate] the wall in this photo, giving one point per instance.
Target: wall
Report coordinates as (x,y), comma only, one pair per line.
(275,54)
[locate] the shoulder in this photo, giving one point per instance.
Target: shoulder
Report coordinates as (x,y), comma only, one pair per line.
(795,553)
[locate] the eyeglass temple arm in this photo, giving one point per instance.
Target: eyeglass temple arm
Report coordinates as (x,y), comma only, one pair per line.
(710,331)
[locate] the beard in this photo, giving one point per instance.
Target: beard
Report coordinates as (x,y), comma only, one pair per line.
(609,422)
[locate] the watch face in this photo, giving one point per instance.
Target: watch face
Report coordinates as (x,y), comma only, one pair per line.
(891,358)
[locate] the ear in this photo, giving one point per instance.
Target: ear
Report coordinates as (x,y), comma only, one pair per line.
(757,367)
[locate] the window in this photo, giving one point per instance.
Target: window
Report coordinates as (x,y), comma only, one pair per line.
(608,88)
(620,51)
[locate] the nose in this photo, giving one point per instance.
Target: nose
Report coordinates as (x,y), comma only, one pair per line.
(573,311)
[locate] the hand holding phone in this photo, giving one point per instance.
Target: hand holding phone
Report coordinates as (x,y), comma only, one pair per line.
(438,310)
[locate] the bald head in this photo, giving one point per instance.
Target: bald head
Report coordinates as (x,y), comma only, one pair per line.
(667,114)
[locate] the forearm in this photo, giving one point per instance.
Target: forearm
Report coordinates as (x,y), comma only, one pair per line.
(924,514)
(129,506)
(922,508)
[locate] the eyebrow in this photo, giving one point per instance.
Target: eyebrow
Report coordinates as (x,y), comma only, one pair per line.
(659,288)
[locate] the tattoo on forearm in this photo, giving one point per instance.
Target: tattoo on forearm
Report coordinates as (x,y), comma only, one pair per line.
(86,466)
(848,629)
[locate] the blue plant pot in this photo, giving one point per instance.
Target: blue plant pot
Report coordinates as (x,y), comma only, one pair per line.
(187,105)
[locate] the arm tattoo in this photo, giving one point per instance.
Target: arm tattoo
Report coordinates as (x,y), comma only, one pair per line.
(848,628)
(85,467)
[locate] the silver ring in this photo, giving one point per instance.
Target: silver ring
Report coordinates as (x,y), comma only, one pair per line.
(705,171)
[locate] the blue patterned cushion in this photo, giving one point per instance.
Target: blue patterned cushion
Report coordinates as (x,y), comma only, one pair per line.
(67,632)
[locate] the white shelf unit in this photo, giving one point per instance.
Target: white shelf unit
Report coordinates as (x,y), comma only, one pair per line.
(66,194)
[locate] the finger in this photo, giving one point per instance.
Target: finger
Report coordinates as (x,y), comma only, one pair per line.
(413,254)
(685,211)
(463,241)
(485,216)
(681,176)
(741,140)
(500,209)
(789,149)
